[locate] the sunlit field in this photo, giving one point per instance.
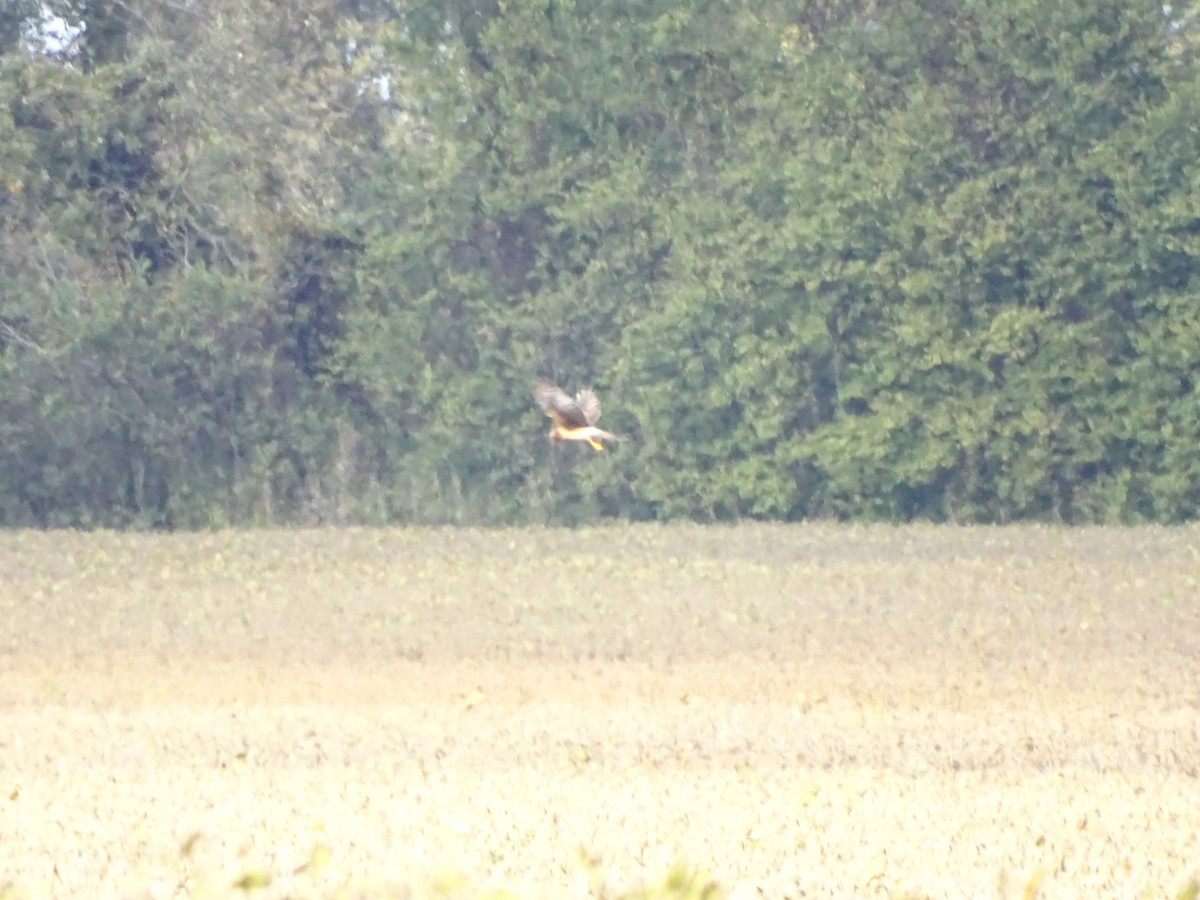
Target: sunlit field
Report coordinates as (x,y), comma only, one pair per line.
(766,711)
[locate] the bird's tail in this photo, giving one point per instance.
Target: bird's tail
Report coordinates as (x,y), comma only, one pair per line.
(598,437)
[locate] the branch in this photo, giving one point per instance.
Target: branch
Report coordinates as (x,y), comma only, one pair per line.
(10,333)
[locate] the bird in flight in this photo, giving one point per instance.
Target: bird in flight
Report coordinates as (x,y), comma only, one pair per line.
(574,419)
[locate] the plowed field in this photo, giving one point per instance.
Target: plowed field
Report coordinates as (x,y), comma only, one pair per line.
(804,711)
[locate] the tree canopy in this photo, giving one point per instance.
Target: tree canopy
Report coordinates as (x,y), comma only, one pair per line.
(301,262)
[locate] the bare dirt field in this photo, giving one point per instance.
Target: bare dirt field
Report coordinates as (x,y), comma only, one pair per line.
(805,711)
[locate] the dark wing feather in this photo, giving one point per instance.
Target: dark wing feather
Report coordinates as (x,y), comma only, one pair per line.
(558,405)
(589,405)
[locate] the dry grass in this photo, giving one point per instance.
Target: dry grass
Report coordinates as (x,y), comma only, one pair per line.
(806,711)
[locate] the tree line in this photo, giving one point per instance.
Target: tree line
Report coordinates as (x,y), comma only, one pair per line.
(300,262)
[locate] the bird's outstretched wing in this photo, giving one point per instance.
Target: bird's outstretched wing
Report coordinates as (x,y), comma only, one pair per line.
(558,405)
(588,404)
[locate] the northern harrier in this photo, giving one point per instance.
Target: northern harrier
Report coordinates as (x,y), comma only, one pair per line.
(574,420)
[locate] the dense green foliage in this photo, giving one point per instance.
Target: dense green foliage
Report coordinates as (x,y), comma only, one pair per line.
(301,261)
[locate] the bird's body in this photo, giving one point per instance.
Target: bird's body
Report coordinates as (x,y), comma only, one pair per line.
(593,435)
(574,418)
